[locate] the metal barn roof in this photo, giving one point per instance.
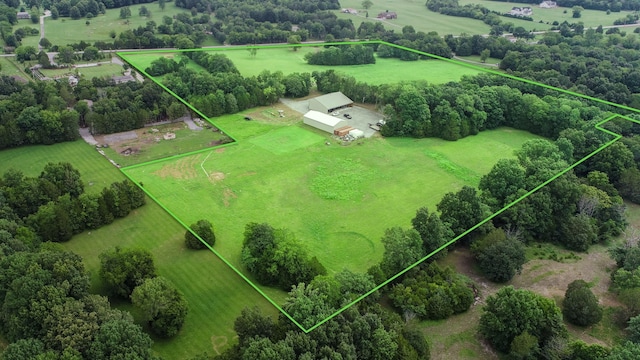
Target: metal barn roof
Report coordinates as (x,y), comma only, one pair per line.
(333,100)
(323,118)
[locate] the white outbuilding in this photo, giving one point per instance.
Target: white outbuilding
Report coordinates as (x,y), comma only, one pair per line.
(323,121)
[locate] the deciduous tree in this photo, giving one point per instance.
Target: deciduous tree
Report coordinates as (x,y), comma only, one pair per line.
(204,229)
(511,312)
(163,306)
(401,249)
(580,306)
(124,269)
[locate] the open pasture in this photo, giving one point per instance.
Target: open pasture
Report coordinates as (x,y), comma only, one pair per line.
(590,18)
(338,200)
(10,67)
(96,171)
(216,294)
(384,71)
(416,14)
(65,30)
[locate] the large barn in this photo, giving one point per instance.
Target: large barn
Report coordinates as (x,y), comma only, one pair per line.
(330,102)
(323,121)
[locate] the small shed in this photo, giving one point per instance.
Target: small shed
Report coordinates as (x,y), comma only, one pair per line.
(330,102)
(323,121)
(356,133)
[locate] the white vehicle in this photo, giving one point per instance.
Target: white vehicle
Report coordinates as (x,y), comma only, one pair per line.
(335,113)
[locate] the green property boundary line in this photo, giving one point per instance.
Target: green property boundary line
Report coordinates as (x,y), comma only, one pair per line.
(125,57)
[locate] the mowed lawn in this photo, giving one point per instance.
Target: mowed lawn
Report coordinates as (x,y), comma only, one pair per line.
(590,18)
(384,71)
(31,40)
(416,14)
(67,31)
(215,293)
(12,68)
(95,170)
(338,200)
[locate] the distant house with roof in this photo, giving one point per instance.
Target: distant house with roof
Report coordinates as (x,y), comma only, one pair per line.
(521,11)
(388,15)
(548,5)
(21,15)
(122,79)
(350,11)
(330,102)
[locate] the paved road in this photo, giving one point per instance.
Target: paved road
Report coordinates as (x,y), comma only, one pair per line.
(47,13)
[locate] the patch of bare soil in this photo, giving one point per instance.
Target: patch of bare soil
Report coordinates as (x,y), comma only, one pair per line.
(216,176)
(277,113)
(227,196)
(145,138)
(551,278)
(185,168)
(220,150)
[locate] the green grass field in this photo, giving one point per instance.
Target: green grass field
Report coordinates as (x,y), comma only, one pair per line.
(12,68)
(216,294)
(104,70)
(338,200)
(289,61)
(66,31)
(28,40)
(590,18)
(416,14)
(96,171)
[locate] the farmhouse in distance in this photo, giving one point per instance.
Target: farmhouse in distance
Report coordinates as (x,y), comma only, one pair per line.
(521,11)
(388,15)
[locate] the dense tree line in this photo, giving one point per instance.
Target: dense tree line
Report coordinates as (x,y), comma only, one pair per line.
(275,257)
(35,113)
(222,90)
(55,206)
(131,274)
(342,55)
(126,106)
(433,293)
(47,311)
(579,62)
(362,332)
(46,308)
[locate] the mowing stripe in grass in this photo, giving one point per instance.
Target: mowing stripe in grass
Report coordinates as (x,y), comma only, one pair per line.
(96,172)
